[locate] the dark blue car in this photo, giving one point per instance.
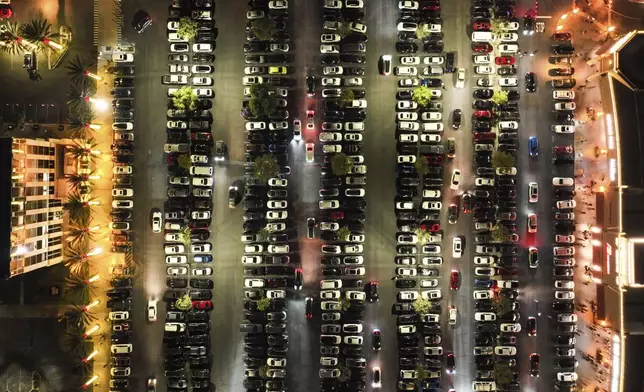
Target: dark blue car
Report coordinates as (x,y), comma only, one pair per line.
(533,146)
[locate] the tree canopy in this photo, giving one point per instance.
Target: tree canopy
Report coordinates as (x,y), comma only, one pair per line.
(263,28)
(341,164)
(187,28)
(185,98)
(422,95)
(266,167)
(263,100)
(502,159)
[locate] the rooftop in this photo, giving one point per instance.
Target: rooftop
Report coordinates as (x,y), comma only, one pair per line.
(630,59)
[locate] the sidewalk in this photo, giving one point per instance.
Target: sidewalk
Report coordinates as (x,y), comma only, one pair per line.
(590,175)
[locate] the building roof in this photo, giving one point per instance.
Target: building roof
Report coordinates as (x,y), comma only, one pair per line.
(630,58)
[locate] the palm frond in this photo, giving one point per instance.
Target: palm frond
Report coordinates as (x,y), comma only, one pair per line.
(10,40)
(77,68)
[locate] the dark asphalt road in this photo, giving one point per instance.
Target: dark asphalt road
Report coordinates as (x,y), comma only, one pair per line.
(380,156)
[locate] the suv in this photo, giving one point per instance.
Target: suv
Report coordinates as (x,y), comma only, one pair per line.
(141,21)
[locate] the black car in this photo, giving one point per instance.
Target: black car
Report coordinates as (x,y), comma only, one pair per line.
(404,95)
(353,58)
(406,47)
(330,59)
(255,47)
(513,95)
(563,49)
(310,85)
(483,93)
(201,283)
(354,71)
(531,82)
(203,58)
(433,47)
(481,104)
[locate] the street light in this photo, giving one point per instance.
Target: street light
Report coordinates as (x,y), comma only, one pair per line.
(90,331)
(93,279)
(91,305)
(90,356)
(90,381)
(95,251)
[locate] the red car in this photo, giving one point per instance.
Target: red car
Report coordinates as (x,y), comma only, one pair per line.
(202,305)
(433,227)
(484,135)
(308,306)
(482,114)
(483,48)
(337,215)
(481,26)
(5,12)
(454,280)
(561,37)
(431,8)
(435,159)
(563,149)
(504,60)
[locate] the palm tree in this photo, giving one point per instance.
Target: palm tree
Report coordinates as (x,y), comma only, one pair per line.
(79,96)
(76,180)
(77,316)
(79,68)
(79,205)
(78,285)
(77,258)
(81,231)
(10,40)
(82,122)
(38,32)
(84,149)
(73,340)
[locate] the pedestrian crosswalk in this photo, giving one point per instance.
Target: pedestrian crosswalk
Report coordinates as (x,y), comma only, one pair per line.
(95,25)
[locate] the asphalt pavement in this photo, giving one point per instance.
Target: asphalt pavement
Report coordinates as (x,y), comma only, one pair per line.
(380,226)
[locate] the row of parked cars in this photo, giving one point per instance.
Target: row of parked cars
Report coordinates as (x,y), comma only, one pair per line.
(122,155)
(493,203)
(564,317)
(187,214)
(120,295)
(419,136)
(269,239)
(343,293)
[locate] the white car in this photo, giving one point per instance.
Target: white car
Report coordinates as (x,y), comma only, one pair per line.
(328,204)
(510,327)
(407,295)
(533,192)
(408,5)
(202,181)
(354,126)
(152,311)
(203,271)
(431,294)
(406,158)
(483,294)
(434,60)
(508,37)
(252,259)
(407,116)
(177,271)
(201,81)
(409,60)
(405,71)
(337,70)
(310,152)
(408,125)
(457,247)
(456,179)
(509,26)
(330,38)
(351,249)
(202,48)
(565,106)
(277,204)
(278,182)
(484,260)
(430,138)
(508,82)
(431,205)
(250,80)
(408,82)
(276,215)
(408,138)
(331,81)
(201,215)
(407,105)
(484,69)
(255,126)
(123,57)
(567,376)
(484,316)
(563,94)
(277,125)
(201,247)
(565,295)
(483,181)
(508,125)
(460,78)
(505,350)
(563,128)
(333,4)
(255,14)
(566,204)
(508,48)
(202,68)
(352,137)
(330,136)
(278,4)
(563,181)
(482,59)
(329,48)
(122,192)
(567,318)
(407,26)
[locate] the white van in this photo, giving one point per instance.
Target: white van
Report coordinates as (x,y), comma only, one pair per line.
(201,170)
(483,36)
(330,284)
(121,348)
(174,327)
(433,350)
(431,116)
(433,127)
(484,386)
(405,71)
